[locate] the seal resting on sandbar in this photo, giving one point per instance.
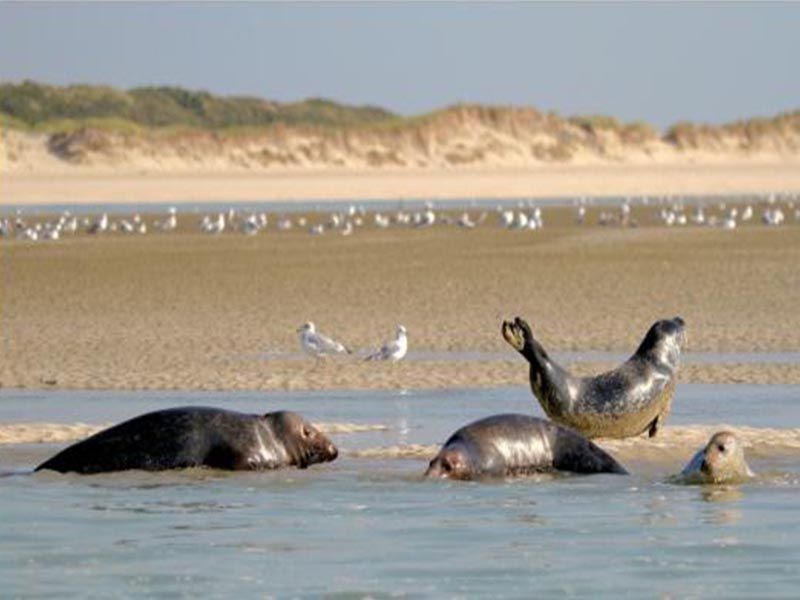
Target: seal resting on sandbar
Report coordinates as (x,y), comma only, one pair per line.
(633,398)
(720,461)
(195,436)
(510,445)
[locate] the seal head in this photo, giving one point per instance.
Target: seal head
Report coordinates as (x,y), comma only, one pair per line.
(452,462)
(304,444)
(720,461)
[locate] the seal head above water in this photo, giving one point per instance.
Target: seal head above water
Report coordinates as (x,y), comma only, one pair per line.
(720,461)
(511,445)
(193,436)
(633,398)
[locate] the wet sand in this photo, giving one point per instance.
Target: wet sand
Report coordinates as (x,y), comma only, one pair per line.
(188,311)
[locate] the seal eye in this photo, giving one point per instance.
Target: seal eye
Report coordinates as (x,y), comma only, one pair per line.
(721,447)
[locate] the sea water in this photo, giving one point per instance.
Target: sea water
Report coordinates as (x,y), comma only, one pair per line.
(371,527)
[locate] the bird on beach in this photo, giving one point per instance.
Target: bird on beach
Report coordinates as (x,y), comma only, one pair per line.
(207,225)
(392,350)
(100,225)
(317,344)
(170,223)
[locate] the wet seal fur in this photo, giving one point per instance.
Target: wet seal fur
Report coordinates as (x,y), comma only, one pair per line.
(633,398)
(720,461)
(512,445)
(193,436)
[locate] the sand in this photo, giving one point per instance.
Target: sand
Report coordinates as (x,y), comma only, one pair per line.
(710,175)
(192,312)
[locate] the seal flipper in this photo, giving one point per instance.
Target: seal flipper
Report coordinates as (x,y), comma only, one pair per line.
(574,452)
(653,428)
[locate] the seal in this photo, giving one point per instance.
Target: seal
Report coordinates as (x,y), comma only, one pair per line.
(512,445)
(196,436)
(633,398)
(720,461)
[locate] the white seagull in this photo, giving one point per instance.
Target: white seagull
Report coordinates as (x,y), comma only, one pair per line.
(319,345)
(393,350)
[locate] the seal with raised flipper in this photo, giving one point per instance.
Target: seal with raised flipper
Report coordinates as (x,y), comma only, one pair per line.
(512,445)
(627,401)
(196,436)
(720,461)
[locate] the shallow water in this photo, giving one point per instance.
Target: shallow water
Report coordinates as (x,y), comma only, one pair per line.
(290,206)
(361,527)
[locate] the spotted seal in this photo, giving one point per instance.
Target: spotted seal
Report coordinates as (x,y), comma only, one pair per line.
(633,398)
(720,461)
(198,437)
(511,444)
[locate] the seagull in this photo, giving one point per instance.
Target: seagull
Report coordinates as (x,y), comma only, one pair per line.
(212,227)
(319,345)
(100,225)
(251,225)
(465,222)
(393,350)
(381,221)
(170,223)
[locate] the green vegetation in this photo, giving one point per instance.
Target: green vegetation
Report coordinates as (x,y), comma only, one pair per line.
(691,135)
(635,132)
(51,108)
(596,122)
(172,111)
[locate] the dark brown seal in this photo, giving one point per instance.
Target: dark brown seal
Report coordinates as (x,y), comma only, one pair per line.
(511,445)
(720,461)
(633,398)
(193,436)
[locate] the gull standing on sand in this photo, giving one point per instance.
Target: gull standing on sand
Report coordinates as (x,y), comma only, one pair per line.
(317,344)
(392,350)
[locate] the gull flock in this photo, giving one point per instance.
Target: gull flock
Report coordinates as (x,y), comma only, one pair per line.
(772,210)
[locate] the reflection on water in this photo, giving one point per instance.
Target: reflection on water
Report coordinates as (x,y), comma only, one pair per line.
(367,525)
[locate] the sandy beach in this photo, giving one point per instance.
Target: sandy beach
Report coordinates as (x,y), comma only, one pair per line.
(707,176)
(188,311)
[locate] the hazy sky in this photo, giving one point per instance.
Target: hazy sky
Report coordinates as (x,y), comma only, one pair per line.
(657,62)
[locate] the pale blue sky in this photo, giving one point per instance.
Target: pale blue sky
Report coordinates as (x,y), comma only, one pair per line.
(657,62)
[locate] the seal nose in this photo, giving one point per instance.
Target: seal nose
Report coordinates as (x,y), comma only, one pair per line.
(333,451)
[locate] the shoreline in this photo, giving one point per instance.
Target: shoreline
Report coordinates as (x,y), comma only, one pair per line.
(304,375)
(86,186)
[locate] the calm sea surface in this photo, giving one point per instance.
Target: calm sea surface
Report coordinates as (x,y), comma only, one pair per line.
(371,527)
